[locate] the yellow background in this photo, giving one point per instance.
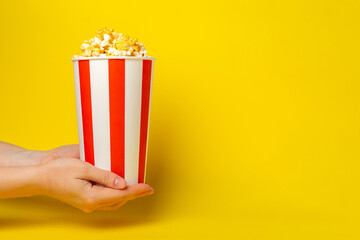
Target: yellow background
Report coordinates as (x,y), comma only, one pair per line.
(255,120)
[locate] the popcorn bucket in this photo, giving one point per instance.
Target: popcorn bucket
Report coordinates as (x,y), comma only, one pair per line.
(113,98)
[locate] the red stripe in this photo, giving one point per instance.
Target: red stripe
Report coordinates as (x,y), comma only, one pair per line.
(117,115)
(145,99)
(85,91)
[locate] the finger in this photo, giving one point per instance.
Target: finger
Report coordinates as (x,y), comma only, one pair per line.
(65,151)
(147,193)
(128,197)
(103,177)
(110,196)
(113,207)
(143,194)
(136,189)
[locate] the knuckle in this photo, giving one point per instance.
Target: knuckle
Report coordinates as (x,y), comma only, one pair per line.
(106,177)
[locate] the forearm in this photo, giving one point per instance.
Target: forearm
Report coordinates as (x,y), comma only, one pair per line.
(7,151)
(19,181)
(13,156)
(6,147)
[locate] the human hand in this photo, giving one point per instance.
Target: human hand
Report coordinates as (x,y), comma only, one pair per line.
(60,174)
(15,156)
(70,180)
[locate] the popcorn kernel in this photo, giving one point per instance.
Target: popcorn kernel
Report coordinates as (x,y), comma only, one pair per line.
(109,43)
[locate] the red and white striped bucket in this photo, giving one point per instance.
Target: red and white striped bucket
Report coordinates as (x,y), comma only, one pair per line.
(113,98)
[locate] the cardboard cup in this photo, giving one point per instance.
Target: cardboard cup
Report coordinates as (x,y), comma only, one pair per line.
(113,98)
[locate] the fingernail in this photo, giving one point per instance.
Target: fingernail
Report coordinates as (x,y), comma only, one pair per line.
(117,182)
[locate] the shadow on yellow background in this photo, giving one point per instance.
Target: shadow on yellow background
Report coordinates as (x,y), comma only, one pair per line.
(254,129)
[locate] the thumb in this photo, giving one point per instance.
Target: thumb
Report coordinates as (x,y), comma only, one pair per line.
(104,177)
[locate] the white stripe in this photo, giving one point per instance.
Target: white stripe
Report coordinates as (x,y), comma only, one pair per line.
(78,110)
(147,140)
(99,81)
(133,85)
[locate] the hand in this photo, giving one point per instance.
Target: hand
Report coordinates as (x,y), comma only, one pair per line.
(70,180)
(60,174)
(15,156)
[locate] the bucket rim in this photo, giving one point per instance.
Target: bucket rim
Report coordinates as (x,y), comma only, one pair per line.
(112,57)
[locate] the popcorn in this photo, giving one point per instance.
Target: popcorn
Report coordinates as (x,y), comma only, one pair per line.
(109,43)
(84,46)
(96,42)
(111,51)
(107,37)
(87,53)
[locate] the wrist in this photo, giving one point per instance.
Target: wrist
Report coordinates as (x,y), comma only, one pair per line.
(39,180)
(20,182)
(34,183)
